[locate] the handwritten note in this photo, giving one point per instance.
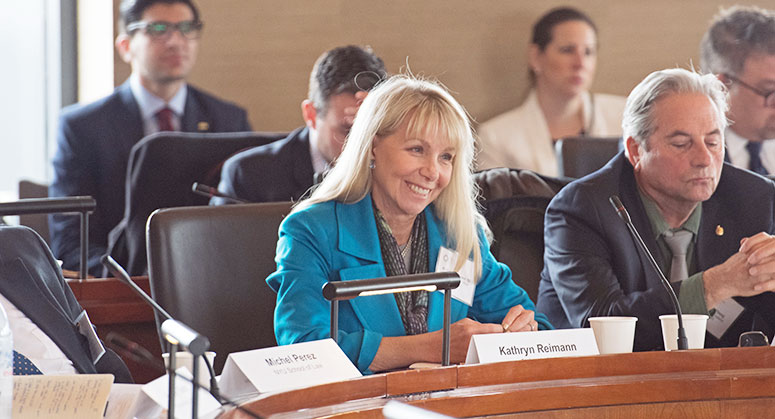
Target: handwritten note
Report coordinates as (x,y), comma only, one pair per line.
(61,396)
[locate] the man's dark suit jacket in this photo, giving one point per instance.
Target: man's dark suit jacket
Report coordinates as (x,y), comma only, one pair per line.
(31,279)
(278,171)
(93,145)
(593,267)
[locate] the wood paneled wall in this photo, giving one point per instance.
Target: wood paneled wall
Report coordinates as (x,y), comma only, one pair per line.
(259,53)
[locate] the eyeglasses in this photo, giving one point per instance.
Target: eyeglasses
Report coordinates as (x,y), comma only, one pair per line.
(190,29)
(769,97)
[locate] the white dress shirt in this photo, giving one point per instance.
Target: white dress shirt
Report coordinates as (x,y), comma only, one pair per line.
(738,154)
(151,104)
(32,342)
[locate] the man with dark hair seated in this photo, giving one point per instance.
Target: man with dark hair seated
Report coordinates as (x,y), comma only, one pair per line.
(286,169)
(44,314)
(159,39)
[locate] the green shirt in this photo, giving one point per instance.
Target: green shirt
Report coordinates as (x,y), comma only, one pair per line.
(691,296)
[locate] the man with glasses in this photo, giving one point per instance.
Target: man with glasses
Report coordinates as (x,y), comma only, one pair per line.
(159,39)
(286,169)
(739,48)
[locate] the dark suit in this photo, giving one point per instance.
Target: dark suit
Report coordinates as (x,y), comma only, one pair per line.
(32,281)
(278,171)
(93,145)
(592,266)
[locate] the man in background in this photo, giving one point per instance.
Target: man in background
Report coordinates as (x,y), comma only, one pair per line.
(159,39)
(284,170)
(739,48)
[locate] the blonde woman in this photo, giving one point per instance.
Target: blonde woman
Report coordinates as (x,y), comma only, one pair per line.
(400,192)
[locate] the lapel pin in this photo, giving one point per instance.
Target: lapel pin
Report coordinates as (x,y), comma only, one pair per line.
(719,230)
(202,126)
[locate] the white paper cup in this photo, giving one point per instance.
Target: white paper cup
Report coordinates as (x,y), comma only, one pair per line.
(185,359)
(694,324)
(613,334)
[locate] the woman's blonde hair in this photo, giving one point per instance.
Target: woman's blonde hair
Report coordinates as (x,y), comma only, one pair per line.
(433,110)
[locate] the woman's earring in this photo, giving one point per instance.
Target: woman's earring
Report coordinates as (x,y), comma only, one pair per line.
(372,165)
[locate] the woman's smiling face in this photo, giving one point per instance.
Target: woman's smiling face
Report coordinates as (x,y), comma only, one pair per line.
(410,171)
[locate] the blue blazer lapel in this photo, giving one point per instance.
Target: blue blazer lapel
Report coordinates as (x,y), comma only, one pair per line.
(631,199)
(358,238)
(131,128)
(195,117)
(34,298)
(714,247)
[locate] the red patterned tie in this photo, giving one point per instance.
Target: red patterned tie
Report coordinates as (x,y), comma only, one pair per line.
(164,118)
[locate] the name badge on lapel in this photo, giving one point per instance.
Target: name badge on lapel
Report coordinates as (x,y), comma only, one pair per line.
(446,263)
(84,327)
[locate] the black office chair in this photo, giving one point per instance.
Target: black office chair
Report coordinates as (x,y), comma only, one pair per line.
(580,156)
(514,203)
(162,167)
(38,222)
(207,267)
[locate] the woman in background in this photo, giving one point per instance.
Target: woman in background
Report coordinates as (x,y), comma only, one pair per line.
(562,59)
(400,192)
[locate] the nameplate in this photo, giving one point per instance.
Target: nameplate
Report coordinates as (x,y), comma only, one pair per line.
(153,399)
(285,367)
(497,347)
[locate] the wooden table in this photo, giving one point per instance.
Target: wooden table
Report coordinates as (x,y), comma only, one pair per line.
(708,383)
(114,308)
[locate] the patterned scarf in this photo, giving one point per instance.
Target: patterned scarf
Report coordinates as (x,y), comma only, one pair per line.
(413,306)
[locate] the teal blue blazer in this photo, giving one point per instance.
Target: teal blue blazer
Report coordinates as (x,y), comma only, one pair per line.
(333,241)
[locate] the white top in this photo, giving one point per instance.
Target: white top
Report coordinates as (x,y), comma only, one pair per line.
(35,344)
(520,138)
(738,154)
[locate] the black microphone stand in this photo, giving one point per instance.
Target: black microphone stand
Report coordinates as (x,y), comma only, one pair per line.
(625,216)
(210,192)
(176,334)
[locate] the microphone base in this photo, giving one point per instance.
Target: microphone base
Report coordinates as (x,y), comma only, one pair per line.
(683,342)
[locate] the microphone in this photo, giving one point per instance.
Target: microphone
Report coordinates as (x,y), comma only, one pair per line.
(139,354)
(210,192)
(196,343)
(625,216)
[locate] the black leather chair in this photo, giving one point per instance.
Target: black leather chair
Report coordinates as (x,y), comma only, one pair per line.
(207,267)
(514,203)
(580,156)
(37,222)
(162,167)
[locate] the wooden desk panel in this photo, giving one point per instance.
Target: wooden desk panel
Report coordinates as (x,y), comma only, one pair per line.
(712,383)
(114,308)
